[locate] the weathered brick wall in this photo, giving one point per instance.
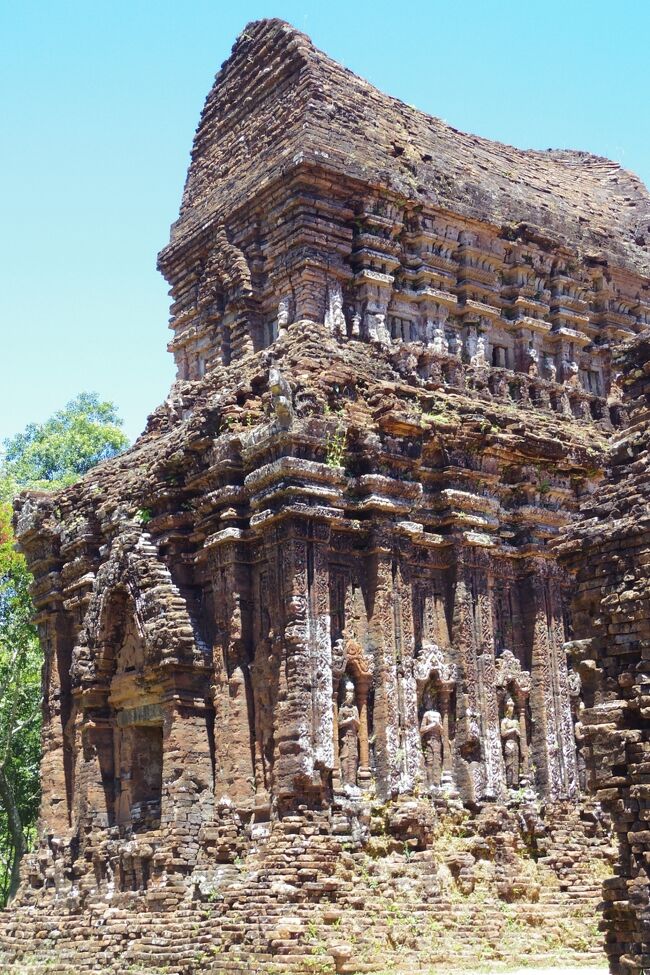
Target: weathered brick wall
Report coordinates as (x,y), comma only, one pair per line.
(402,887)
(609,551)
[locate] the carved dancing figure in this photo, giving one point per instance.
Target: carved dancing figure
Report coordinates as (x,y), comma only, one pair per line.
(581,757)
(533,365)
(431,735)
(349,736)
(511,744)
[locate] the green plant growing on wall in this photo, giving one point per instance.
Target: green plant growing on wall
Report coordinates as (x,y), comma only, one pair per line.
(336,447)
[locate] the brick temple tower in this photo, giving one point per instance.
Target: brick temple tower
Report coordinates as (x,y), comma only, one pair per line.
(319,600)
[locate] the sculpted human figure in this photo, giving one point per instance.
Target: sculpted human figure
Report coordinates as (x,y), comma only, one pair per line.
(479,358)
(571,371)
(280,397)
(579,731)
(375,327)
(334,316)
(431,735)
(550,368)
(533,364)
(511,744)
(338,315)
(381,331)
(284,312)
(439,341)
(616,389)
(349,736)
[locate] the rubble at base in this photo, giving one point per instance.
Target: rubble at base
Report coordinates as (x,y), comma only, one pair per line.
(399,887)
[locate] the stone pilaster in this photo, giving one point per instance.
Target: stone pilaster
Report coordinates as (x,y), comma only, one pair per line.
(381,631)
(481,761)
(553,744)
(304,718)
(232,698)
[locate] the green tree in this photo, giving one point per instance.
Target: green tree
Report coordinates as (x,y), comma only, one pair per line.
(49,455)
(20,696)
(56,453)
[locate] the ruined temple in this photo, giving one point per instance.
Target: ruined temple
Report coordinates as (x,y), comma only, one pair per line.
(322,688)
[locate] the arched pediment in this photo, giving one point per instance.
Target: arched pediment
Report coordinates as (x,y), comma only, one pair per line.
(432,663)
(136,615)
(509,673)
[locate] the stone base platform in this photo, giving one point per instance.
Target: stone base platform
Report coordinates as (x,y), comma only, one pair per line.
(456,893)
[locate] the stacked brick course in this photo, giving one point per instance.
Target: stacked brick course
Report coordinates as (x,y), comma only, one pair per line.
(609,552)
(306,642)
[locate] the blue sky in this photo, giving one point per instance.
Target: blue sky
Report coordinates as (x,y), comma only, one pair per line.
(99,105)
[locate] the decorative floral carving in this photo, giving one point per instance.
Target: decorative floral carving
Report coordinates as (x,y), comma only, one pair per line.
(432,663)
(509,672)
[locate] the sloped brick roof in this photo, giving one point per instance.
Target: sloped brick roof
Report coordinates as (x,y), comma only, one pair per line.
(279,101)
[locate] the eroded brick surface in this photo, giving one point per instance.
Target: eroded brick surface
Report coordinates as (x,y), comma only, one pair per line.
(308,702)
(609,552)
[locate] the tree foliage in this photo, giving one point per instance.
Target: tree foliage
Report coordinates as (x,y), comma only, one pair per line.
(56,453)
(49,455)
(20,695)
